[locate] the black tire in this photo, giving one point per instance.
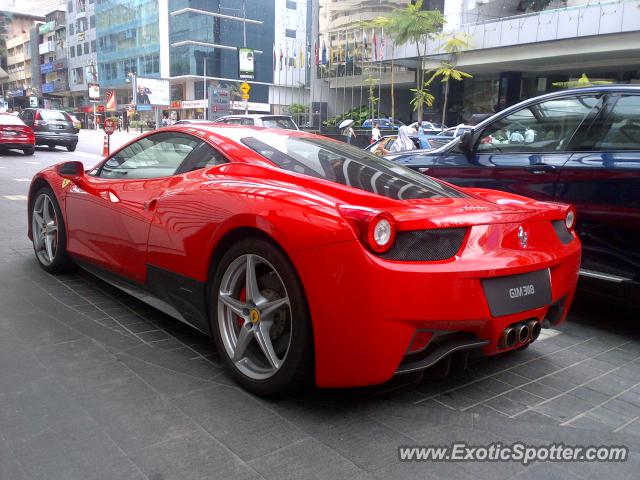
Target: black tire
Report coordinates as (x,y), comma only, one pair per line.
(29,151)
(296,373)
(62,262)
(72,147)
(51,146)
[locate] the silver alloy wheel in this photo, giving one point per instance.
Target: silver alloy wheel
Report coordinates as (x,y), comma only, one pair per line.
(44,229)
(254,316)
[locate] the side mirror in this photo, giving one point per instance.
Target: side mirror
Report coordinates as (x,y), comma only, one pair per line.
(466,142)
(71,170)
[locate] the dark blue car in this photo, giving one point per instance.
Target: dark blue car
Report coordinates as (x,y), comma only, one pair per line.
(577,146)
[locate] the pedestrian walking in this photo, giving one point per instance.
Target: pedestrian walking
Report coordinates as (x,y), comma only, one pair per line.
(349,133)
(375,133)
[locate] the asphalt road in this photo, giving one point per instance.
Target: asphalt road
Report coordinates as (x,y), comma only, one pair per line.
(95,385)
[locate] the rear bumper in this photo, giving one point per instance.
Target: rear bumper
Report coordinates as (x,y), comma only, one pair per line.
(365,310)
(17,144)
(45,138)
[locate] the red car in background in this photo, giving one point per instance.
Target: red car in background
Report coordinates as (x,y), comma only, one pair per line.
(15,135)
(306,258)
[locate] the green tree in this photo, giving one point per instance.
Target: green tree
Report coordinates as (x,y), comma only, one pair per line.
(447,70)
(416,26)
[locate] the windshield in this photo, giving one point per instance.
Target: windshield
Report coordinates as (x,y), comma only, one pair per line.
(279,122)
(347,165)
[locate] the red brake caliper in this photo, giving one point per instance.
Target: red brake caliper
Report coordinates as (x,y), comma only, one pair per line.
(243,298)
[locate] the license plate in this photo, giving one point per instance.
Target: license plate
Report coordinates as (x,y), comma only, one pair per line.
(517,293)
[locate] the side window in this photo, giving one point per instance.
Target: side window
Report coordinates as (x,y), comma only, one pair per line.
(542,127)
(246,121)
(620,129)
(202,157)
(154,156)
(233,121)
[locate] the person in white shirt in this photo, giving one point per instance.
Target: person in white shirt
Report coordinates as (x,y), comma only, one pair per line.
(529,135)
(375,133)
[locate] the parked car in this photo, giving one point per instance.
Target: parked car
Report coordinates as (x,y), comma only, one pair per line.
(307,259)
(257,120)
(383,123)
(51,127)
(76,123)
(428,128)
(14,134)
(575,146)
(386,141)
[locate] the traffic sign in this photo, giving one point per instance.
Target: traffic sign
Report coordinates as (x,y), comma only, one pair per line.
(245,96)
(245,87)
(110,126)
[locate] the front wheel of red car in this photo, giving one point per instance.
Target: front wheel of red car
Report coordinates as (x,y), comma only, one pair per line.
(261,321)
(48,233)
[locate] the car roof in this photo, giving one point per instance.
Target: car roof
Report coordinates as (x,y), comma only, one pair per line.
(254,115)
(599,89)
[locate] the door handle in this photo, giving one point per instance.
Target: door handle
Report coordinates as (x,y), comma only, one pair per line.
(542,168)
(150,204)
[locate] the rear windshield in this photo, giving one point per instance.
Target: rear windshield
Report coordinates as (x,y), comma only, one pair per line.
(53,115)
(279,122)
(347,165)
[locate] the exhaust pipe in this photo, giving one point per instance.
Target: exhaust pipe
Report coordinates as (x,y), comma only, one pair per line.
(509,337)
(534,329)
(523,333)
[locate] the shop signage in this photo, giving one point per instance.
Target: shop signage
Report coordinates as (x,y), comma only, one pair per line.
(176,104)
(253,106)
(193,104)
(18,92)
(48,87)
(46,28)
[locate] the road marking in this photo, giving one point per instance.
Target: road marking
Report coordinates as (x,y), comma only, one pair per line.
(83,154)
(16,198)
(22,179)
(33,163)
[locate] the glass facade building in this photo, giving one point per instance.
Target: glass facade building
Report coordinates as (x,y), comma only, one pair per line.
(196,38)
(127,34)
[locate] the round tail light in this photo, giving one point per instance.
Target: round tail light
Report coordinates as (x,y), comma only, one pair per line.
(570,219)
(381,232)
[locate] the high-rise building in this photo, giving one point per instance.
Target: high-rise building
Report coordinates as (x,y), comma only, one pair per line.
(50,72)
(82,53)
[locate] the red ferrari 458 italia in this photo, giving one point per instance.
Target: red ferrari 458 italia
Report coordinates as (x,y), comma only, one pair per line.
(306,258)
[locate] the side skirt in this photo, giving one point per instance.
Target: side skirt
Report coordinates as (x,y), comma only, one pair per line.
(179,297)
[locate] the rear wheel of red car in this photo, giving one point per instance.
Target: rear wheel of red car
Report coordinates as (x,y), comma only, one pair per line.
(48,232)
(261,321)
(29,151)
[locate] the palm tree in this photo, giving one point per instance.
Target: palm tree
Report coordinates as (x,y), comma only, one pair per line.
(447,70)
(412,25)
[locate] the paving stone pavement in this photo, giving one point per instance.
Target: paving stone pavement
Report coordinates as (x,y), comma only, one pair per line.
(96,385)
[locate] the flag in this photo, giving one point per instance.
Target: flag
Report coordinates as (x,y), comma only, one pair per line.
(382,44)
(274,57)
(375,47)
(281,57)
(346,47)
(111,100)
(324,54)
(365,46)
(301,55)
(315,51)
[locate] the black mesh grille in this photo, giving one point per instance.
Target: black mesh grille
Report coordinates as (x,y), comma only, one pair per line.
(426,245)
(561,230)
